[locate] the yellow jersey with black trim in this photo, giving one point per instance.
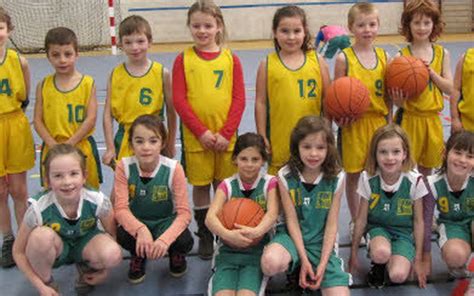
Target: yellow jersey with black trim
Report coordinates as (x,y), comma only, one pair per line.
(209,92)
(132,96)
(65,111)
(431,99)
(12,83)
(291,95)
(373,78)
(466,104)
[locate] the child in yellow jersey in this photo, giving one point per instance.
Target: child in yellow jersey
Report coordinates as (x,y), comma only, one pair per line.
(421,25)
(209,96)
(137,87)
(462,98)
(290,84)
(366,63)
(66,104)
(17,154)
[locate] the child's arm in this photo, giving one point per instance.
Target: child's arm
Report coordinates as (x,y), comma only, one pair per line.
(456,124)
(324,68)
(170,114)
(261,103)
(89,121)
(27,78)
(445,80)
(418,233)
(359,228)
(38,118)
(340,67)
(110,154)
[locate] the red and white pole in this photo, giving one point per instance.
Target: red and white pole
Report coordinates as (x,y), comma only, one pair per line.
(113,37)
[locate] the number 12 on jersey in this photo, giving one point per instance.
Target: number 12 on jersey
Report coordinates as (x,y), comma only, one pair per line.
(307,89)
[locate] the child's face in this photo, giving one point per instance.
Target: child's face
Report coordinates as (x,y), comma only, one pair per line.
(390,155)
(249,162)
(421,27)
(66,177)
(63,58)
(146,145)
(204,28)
(460,163)
(290,34)
(135,46)
(365,28)
(313,150)
(4,33)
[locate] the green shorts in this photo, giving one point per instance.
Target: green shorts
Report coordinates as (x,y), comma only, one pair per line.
(334,276)
(231,276)
(402,245)
(448,231)
(72,249)
(337,43)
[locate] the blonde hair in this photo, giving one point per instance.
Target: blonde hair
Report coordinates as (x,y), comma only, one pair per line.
(388,132)
(209,7)
(361,8)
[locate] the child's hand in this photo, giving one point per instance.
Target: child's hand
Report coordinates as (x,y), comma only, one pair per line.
(144,242)
(427,64)
(397,96)
(268,147)
(108,158)
(353,263)
(319,277)
(237,240)
(158,249)
(250,232)
(420,273)
(426,262)
(344,121)
(456,125)
(307,276)
(47,291)
(208,140)
(221,143)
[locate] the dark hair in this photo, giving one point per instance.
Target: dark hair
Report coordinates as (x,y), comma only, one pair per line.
(463,141)
(310,125)
(134,24)
(63,149)
(5,17)
(421,7)
(60,36)
(152,122)
(209,7)
(250,140)
(292,11)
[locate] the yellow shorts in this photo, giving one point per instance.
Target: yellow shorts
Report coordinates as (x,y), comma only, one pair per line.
(467,121)
(17,149)
(273,170)
(204,167)
(122,147)
(355,140)
(93,167)
(426,137)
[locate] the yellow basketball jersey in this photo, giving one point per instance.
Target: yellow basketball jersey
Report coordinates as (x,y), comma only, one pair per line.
(291,95)
(64,112)
(373,79)
(209,93)
(466,104)
(132,96)
(431,99)
(12,83)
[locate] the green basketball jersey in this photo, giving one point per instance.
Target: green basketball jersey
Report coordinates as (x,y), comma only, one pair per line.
(151,202)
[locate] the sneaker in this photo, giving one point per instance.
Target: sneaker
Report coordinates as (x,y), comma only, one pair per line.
(81,287)
(178,264)
(137,270)
(292,282)
(6,260)
(459,273)
(376,276)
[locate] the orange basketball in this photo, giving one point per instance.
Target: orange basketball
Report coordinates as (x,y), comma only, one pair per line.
(408,74)
(243,211)
(346,97)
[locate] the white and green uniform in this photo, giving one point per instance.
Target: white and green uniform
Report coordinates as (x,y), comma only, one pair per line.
(312,204)
(45,210)
(237,269)
(455,210)
(391,209)
(151,199)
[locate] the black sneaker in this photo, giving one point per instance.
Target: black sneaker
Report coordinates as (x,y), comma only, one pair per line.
(137,270)
(292,285)
(6,260)
(376,276)
(178,264)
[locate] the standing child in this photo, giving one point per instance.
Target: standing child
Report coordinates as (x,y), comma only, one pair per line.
(462,97)
(366,63)
(209,96)
(66,105)
(138,86)
(290,83)
(151,201)
(421,26)
(391,210)
(60,226)
(17,154)
(311,186)
(453,190)
(237,263)
(334,37)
